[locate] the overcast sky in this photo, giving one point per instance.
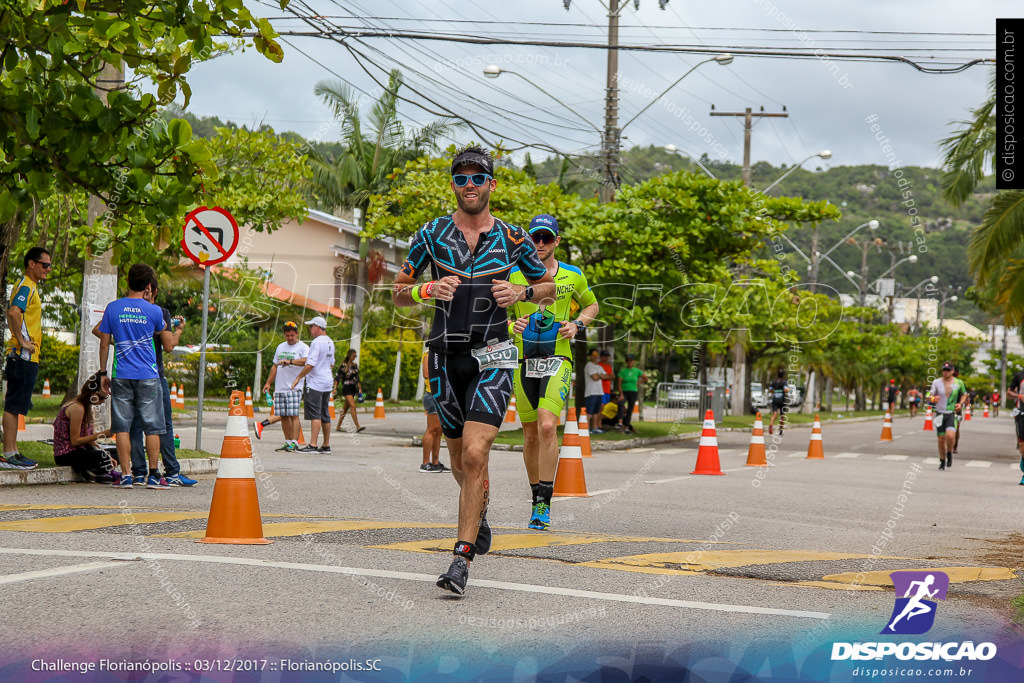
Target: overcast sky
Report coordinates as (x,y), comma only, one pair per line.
(827,102)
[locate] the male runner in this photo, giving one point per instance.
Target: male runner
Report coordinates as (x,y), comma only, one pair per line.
(913,399)
(544,339)
(471,255)
(948,396)
(778,388)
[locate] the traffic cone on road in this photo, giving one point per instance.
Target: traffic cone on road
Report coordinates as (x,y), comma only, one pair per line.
(21,423)
(330,409)
(928,427)
(235,510)
(584,431)
(569,479)
(707,452)
(756,456)
(887,428)
(510,412)
(180,401)
(378,407)
(248,403)
(174,396)
(636,410)
(967,414)
(985,414)
(46,389)
(816,450)
(301,439)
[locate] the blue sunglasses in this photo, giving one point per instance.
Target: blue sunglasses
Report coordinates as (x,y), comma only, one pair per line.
(478,179)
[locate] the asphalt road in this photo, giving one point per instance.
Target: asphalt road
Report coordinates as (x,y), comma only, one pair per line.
(658,570)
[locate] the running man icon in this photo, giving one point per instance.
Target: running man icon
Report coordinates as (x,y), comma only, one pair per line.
(915,587)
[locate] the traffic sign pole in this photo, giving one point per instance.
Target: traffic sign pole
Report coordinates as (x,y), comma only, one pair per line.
(202,357)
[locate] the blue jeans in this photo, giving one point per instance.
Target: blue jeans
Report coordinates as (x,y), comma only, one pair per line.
(140,464)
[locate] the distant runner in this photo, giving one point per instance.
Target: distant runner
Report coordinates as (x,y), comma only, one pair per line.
(947,395)
(778,390)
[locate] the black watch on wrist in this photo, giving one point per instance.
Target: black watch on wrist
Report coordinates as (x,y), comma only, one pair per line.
(102,373)
(528,294)
(580,324)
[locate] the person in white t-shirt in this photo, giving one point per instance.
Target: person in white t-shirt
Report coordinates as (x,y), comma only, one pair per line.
(288,361)
(319,381)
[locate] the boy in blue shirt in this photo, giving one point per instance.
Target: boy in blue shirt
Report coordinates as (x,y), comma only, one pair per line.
(131,322)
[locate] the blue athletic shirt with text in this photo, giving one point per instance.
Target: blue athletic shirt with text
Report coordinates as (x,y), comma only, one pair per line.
(132,323)
(472,318)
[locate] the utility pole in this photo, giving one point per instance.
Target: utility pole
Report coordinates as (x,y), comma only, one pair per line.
(748,125)
(739,352)
(99,277)
(610,146)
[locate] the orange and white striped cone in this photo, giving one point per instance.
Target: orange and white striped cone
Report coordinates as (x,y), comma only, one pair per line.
(46,388)
(510,412)
(174,396)
(707,452)
(235,510)
(816,450)
(21,423)
(887,428)
(756,456)
(378,407)
(636,410)
(330,409)
(928,427)
(179,403)
(301,439)
(569,479)
(582,426)
(985,414)
(967,414)
(248,403)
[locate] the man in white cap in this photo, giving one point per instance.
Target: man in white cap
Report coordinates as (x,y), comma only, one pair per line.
(318,371)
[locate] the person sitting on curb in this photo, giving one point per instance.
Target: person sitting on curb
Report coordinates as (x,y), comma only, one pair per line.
(74,442)
(613,412)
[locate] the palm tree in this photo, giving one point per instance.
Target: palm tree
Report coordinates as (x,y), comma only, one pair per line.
(365,166)
(996,251)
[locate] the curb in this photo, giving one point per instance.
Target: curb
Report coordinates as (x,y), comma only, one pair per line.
(66,475)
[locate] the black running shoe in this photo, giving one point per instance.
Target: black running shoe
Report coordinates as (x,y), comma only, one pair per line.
(942,464)
(483,537)
(455,578)
(949,459)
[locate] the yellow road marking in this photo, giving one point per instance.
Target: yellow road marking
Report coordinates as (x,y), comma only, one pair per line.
(696,560)
(282,529)
(81,523)
(956,575)
(526,540)
(10,507)
(828,584)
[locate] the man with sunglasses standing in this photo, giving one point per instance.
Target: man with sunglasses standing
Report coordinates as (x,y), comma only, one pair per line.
(25,322)
(471,255)
(544,339)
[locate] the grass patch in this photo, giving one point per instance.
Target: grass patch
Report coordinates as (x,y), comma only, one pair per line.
(43,453)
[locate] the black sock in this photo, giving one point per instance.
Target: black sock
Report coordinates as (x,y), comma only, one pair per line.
(265,423)
(547,488)
(535,489)
(154,473)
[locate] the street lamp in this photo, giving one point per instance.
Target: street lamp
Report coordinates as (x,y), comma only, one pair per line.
(824,154)
(724,60)
(871,224)
(942,311)
(493,71)
(672,149)
(933,279)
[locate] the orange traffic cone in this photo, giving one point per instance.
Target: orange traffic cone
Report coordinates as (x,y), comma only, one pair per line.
(510,412)
(887,428)
(928,421)
(707,452)
(21,423)
(301,439)
(582,425)
(179,403)
(46,388)
(248,403)
(985,414)
(636,410)
(235,510)
(330,409)
(174,396)
(756,457)
(378,407)
(816,450)
(967,414)
(569,479)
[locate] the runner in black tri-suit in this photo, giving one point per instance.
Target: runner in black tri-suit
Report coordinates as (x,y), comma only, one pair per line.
(471,254)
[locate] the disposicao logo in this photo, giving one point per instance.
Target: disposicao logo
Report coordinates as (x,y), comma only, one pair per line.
(914,614)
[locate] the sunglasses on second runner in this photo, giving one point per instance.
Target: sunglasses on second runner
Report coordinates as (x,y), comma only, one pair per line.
(478,179)
(543,238)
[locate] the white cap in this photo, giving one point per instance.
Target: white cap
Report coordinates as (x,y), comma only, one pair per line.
(318,321)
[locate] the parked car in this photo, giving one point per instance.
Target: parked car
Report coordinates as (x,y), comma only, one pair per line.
(686,394)
(757,397)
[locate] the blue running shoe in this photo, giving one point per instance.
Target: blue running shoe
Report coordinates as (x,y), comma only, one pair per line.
(181,480)
(541,516)
(122,482)
(139,479)
(155,481)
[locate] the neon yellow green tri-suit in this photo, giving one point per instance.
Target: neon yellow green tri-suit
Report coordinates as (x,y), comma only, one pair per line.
(543,381)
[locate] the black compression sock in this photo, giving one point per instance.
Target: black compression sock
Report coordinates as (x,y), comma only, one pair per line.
(547,489)
(535,490)
(265,423)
